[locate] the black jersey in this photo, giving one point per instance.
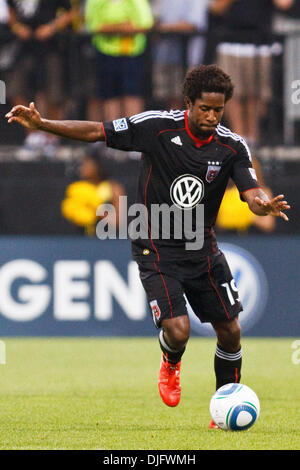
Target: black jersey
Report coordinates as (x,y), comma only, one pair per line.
(178,169)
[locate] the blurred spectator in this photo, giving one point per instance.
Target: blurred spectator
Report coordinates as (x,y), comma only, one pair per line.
(119,27)
(94,188)
(3,12)
(8,47)
(245,52)
(235,216)
(287,24)
(78,15)
(38,71)
(174,53)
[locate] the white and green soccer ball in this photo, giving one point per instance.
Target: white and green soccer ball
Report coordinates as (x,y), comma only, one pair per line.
(234,407)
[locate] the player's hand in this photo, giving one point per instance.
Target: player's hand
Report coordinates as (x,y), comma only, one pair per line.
(27,117)
(275,206)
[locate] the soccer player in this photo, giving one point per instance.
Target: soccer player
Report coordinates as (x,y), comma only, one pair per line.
(187,159)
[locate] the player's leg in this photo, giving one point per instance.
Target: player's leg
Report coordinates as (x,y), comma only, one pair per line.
(223,300)
(173,338)
(228,355)
(214,299)
(168,308)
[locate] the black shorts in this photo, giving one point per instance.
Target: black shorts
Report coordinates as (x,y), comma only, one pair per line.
(208,286)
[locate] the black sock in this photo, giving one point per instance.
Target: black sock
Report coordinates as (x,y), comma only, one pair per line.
(227,367)
(171,355)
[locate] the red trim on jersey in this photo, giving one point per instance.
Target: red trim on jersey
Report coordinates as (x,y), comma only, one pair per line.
(246,190)
(145,200)
(198,141)
(225,145)
(105,136)
(242,192)
(154,247)
(214,286)
(170,130)
(212,239)
(166,289)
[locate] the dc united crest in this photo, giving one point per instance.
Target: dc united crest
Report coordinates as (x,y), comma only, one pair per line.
(212,171)
(156,313)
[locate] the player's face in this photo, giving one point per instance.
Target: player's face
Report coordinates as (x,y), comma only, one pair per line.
(205,113)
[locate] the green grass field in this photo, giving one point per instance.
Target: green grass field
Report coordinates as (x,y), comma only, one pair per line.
(102,394)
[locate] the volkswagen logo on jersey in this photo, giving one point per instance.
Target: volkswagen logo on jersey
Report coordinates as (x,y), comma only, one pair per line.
(187,191)
(252,287)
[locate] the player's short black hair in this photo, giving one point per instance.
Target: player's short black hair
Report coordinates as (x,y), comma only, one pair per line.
(207,78)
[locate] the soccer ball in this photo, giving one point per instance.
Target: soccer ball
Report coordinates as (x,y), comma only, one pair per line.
(234,407)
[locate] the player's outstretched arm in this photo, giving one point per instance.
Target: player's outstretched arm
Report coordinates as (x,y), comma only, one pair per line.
(260,204)
(31,119)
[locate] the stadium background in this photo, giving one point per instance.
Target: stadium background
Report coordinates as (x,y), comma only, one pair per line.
(32,228)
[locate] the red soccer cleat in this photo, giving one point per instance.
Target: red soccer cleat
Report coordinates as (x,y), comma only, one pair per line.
(213,425)
(169,382)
